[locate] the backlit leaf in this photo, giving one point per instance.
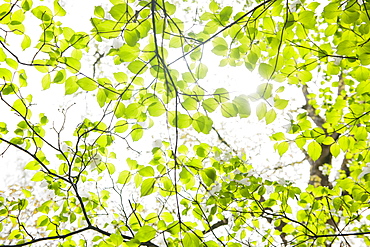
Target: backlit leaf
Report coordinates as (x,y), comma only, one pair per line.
(137,67)
(210,104)
(270,116)
(265,70)
(137,132)
(124,177)
(145,233)
(147,187)
(5,74)
(26,42)
(201,71)
(99,11)
(229,110)
(87,84)
(314,150)
(261,110)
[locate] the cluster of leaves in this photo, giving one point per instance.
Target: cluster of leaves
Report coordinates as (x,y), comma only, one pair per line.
(205,196)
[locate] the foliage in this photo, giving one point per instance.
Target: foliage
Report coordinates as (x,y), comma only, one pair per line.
(187,193)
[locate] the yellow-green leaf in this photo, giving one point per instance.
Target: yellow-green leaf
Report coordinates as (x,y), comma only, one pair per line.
(145,233)
(270,116)
(314,150)
(87,84)
(26,42)
(147,187)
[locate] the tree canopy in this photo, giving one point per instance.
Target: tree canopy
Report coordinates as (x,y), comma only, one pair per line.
(142,69)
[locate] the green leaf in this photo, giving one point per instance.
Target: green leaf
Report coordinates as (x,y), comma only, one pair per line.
(242,103)
(12,63)
(124,177)
(137,67)
(43,220)
(190,239)
(26,5)
(363,87)
(46,81)
(99,11)
(121,12)
(21,107)
(39,176)
(335,149)
(220,46)
(270,116)
(221,95)
(229,110)
(156,109)
(220,50)
(131,37)
(41,66)
(226,13)
(269,24)
(190,104)
(60,76)
(87,84)
(71,86)
(282,147)
(304,76)
(307,18)
(147,187)
(133,111)
(58,10)
(32,165)
(120,77)
(202,123)
(265,90)
(278,136)
(119,110)
(145,233)
(147,171)
(209,175)
(116,239)
(73,65)
(42,13)
(127,53)
(210,104)
(361,73)
(201,71)
(281,103)
(179,120)
(137,132)
(26,42)
(176,42)
(213,6)
(360,133)
(314,150)
(345,47)
(288,229)
(261,110)
(5,74)
(101,97)
(328,140)
(111,168)
(121,126)
(265,70)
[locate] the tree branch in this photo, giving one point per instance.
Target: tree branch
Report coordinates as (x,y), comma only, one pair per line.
(222,140)
(217,225)
(311,111)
